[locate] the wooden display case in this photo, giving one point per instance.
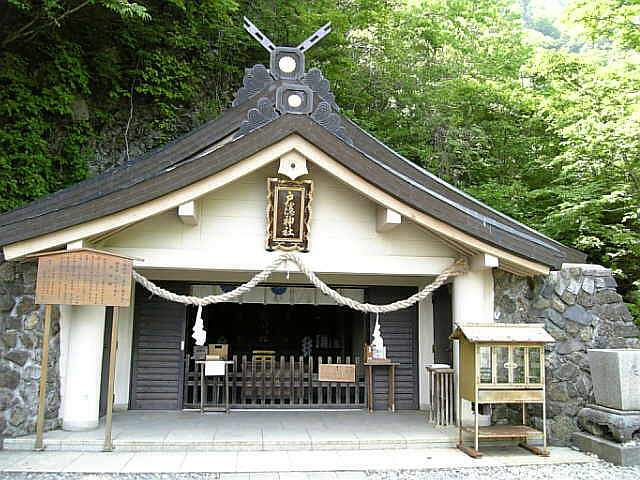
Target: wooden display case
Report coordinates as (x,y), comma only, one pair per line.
(502,363)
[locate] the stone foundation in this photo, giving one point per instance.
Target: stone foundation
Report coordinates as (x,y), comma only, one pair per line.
(580,308)
(21,325)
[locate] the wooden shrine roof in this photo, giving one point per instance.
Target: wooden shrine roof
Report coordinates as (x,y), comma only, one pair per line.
(210,149)
(502,333)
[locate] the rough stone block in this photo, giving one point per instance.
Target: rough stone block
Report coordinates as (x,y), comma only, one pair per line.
(7,272)
(579,315)
(560,285)
(608,296)
(9,378)
(6,302)
(568,297)
(619,425)
(558,305)
(616,376)
(547,290)
(626,330)
(19,357)
(588,285)
(569,346)
(585,299)
(558,392)
(615,453)
(574,286)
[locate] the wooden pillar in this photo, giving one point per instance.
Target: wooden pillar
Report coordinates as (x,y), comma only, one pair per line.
(108,444)
(44,368)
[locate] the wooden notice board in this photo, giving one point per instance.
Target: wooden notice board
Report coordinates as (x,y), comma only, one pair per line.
(331,372)
(84,277)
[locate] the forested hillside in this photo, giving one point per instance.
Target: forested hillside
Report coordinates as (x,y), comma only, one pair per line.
(533,110)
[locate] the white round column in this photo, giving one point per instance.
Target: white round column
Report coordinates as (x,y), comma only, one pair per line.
(84,368)
(472,302)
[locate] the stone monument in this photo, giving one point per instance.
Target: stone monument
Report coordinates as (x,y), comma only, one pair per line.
(612,425)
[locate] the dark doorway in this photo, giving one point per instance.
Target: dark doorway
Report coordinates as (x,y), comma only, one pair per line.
(442,326)
(157,370)
(276,350)
(400,333)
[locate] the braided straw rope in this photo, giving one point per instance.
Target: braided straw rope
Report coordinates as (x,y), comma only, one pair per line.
(459,267)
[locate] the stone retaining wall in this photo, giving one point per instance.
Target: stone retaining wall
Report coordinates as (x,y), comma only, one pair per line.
(581,310)
(21,325)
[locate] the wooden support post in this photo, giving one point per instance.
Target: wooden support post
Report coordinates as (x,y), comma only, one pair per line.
(108,444)
(44,367)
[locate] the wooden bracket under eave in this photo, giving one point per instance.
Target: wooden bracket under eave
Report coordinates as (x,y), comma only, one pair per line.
(387,219)
(187,213)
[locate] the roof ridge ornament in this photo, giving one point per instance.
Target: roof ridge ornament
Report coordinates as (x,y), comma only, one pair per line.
(296,91)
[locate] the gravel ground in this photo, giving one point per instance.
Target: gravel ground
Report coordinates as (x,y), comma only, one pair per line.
(581,471)
(585,471)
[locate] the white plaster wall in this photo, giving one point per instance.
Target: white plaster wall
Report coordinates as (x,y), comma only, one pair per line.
(230,234)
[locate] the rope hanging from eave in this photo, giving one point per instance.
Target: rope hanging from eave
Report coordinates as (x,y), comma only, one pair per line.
(459,267)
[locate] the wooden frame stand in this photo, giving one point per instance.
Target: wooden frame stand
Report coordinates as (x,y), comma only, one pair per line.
(81,277)
(502,363)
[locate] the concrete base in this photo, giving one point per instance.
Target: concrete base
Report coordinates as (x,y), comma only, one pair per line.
(616,453)
(79,426)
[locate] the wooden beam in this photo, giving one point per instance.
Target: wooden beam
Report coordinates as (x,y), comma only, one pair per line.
(44,368)
(483,261)
(187,213)
(387,219)
(108,444)
(76,245)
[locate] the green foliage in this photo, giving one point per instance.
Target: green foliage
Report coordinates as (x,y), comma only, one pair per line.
(437,80)
(613,19)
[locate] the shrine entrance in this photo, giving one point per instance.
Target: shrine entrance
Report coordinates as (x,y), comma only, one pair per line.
(276,350)
(276,338)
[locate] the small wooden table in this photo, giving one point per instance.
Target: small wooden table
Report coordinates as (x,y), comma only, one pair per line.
(203,389)
(392,382)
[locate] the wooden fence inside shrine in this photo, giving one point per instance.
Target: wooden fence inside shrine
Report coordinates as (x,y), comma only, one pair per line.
(277,383)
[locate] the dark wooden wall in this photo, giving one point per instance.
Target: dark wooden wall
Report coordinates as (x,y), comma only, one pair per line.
(400,333)
(157,370)
(442,326)
(106,352)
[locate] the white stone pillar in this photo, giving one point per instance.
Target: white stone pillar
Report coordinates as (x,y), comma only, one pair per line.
(425,347)
(84,367)
(123,354)
(472,302)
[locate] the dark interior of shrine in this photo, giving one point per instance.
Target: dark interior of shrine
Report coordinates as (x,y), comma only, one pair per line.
(285,330)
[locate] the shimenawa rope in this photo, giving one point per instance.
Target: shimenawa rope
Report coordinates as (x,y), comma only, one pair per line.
(459,267)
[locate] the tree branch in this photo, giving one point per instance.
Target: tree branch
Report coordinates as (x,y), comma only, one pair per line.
(22,33)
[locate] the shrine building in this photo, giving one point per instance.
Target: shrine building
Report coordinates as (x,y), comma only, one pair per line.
(282,170)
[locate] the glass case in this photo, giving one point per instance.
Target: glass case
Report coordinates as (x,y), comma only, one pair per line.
(502,363)
(513,366)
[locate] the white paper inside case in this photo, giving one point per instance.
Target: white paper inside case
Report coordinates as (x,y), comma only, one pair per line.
(213,367)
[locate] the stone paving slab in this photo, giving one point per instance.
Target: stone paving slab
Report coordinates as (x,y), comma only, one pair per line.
(330,461)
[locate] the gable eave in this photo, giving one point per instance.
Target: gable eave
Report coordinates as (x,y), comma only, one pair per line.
(181,173)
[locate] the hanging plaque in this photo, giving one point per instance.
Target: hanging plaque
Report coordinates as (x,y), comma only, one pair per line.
(83,277)
(335,372)
(288,212)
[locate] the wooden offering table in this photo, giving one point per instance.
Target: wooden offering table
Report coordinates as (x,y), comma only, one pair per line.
(392,381)
(203,387)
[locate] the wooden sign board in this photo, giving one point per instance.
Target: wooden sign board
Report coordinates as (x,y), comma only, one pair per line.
(288,213)
(331,372)
(84,277)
